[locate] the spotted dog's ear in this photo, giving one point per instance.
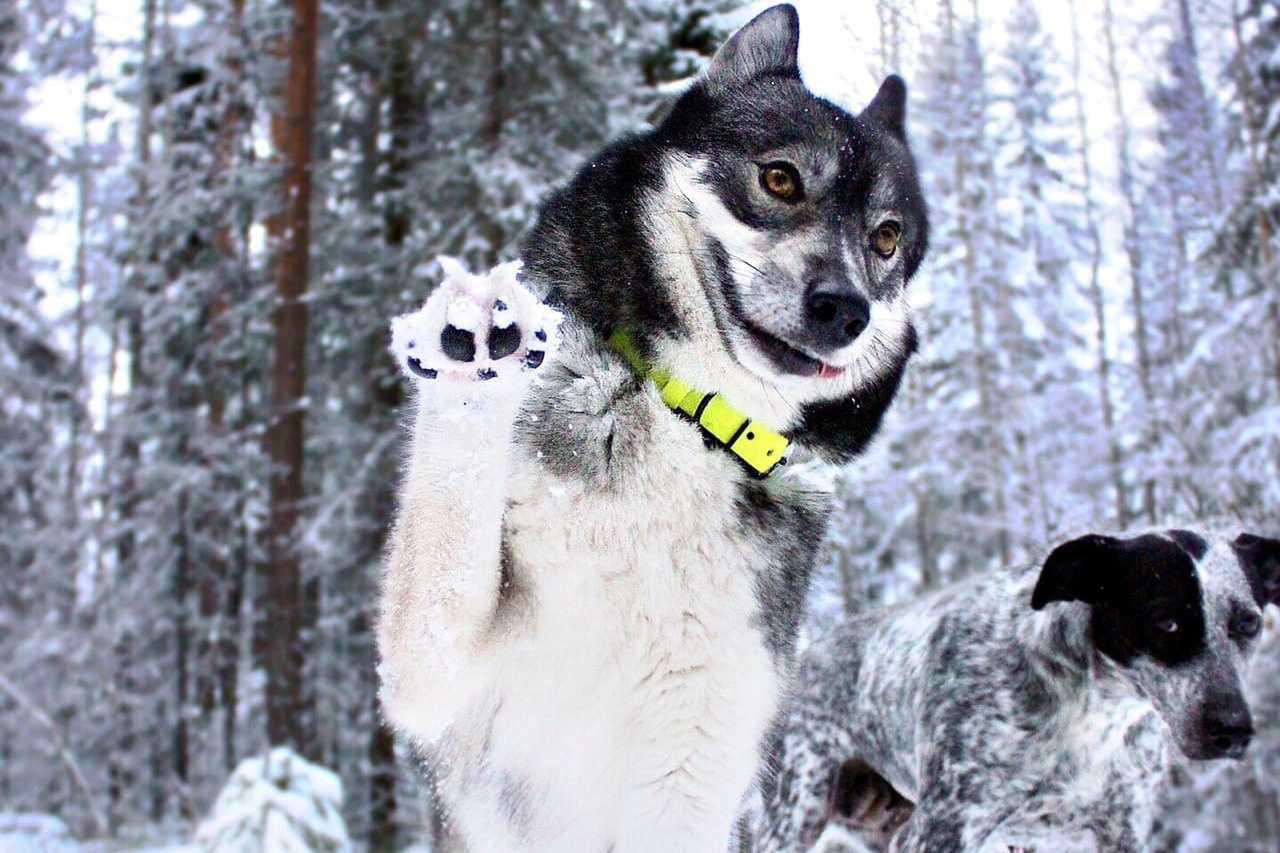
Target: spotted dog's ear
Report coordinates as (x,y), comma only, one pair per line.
(765,46)
(1260,559)
(1078,570)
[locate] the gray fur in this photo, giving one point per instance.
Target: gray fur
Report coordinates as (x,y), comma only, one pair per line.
(594,417)
(787,524)
(1004,722)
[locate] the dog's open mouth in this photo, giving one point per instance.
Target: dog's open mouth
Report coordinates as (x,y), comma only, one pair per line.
(788,359)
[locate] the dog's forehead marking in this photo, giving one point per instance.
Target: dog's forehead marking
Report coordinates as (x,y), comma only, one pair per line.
(1226,587)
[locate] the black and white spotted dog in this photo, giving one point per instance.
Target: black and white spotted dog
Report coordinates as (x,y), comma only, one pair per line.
(1026,708)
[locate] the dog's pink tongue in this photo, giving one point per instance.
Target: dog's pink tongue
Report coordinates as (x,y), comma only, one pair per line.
(826,371)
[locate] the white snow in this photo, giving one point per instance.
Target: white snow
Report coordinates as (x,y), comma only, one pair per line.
(34,833)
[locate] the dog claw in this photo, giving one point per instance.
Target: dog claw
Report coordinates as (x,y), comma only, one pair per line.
(425,372)
(458,344)
(486,373)
(533,359)
(541,335)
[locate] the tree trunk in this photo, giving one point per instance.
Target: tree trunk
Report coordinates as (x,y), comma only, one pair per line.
(182,571)
(407,125)
(993,476)
(289,231)
(495,79)
(1133,250)
(382,785)
(1096,296)
(1007,334)
(212,574)
(493,120)
(120,771)
(1266,228)
(930,576)
(84,198)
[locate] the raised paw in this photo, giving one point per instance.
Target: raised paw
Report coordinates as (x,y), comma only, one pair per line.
(475,328)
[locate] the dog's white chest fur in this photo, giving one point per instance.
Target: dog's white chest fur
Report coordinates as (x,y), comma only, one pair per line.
(634,691)
(587,613)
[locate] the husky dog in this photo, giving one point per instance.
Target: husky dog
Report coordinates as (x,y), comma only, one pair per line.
(1034,708)
(597,573)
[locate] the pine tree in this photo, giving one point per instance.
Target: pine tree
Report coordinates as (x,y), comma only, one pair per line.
(1043,306)
(41,393)
(34,376)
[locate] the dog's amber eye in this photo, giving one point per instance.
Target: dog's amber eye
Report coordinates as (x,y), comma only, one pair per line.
(885,240)
(781,180)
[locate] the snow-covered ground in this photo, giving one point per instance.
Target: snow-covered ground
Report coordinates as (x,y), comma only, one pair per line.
(34,833)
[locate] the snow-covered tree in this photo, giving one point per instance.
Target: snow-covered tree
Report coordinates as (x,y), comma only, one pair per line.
(278,802)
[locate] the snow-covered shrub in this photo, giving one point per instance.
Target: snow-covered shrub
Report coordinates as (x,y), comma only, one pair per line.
(279,803)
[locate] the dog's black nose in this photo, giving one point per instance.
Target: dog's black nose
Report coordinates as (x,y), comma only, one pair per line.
(1228,725)
(836,315)
(1231,742)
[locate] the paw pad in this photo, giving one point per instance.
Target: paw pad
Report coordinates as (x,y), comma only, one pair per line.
(458,344)
(503,341)
(488,323)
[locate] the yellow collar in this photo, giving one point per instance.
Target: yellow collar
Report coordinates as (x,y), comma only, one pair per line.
(755,444)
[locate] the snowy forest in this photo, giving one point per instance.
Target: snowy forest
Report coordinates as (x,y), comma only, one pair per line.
(211,208)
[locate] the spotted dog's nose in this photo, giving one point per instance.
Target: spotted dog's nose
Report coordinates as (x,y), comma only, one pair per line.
(1228,725)
(836,314)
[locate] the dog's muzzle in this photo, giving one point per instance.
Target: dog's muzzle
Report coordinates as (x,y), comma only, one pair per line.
(1226,729)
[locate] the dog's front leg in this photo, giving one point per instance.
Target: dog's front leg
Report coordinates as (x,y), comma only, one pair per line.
(472,350)
(799,800)
(930,832)
(944,824)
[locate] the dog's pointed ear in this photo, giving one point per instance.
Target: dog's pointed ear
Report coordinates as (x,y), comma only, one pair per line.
(1077,571)
(889,107)
(766,45)
(1260,559)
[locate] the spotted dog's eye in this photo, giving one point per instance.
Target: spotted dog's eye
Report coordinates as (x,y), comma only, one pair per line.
(885,239)
(781,180)
(1167,625)
(1246,625)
